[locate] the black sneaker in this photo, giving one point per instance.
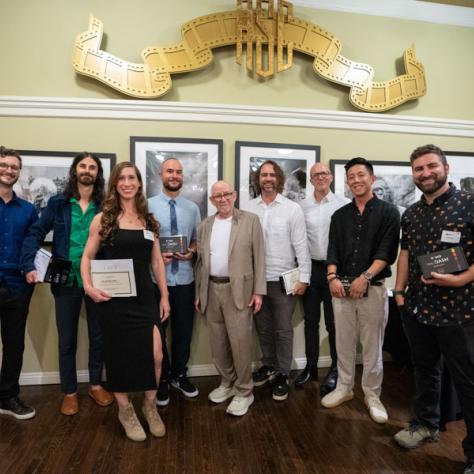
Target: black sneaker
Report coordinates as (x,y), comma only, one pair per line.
(15,407)
(280,387)
(163,394)
(263,375)
(183,384)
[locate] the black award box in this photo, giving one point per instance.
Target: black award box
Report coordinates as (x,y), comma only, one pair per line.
(173,244)
(451,260)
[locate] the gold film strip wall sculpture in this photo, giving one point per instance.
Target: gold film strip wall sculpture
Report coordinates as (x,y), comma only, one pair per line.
(256,27)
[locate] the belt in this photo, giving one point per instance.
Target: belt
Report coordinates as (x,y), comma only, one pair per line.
(219,280)
(376,283)
(318,262)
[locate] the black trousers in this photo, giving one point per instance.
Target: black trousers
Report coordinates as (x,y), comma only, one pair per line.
(317,293)
(181,299)
(456,345)
(13,314)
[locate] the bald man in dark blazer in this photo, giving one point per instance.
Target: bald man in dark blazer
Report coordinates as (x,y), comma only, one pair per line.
(230,282)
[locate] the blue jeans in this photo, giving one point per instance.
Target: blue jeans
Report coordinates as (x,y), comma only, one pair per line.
(68,302)
(181,299)
(456,345)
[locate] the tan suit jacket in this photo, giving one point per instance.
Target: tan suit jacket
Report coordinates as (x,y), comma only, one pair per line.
(246,259)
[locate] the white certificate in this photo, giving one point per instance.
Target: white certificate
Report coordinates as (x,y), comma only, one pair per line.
(115,277)
(289,280)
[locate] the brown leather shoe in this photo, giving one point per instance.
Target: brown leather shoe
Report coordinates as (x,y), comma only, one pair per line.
(70,405)
(101,396)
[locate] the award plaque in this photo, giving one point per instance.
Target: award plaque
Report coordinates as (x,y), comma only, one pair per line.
(288,280)
(174,244)
(347,282)
(451,260)
(115,277)
(51,269)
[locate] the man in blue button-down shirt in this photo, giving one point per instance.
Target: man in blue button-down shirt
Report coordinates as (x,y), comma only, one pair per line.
(177,216)
(16,216)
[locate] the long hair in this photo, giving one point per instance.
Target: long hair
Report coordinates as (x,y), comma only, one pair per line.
(112,207)
(279,175)
(71,188)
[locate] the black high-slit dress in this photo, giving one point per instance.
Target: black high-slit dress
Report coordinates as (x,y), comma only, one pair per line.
(127,323)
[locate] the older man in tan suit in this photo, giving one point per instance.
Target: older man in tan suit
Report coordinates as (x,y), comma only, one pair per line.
(230,282)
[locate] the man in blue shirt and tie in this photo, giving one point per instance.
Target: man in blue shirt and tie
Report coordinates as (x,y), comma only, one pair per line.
(177,216)
(16,216)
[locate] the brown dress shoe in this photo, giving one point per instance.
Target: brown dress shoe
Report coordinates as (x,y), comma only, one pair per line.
(70,405)
(101,396)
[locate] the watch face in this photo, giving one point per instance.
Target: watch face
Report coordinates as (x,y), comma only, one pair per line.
(368,275)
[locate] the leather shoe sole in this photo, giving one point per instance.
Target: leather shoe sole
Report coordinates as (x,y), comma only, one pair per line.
(70,405)
(101,396)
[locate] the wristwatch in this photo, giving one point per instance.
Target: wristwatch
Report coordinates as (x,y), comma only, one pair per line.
(368,276)
(398,293)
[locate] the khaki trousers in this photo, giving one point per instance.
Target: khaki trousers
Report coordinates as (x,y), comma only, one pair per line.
(230,333)
(363,319)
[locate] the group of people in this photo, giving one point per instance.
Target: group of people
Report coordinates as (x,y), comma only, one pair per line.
(231,273)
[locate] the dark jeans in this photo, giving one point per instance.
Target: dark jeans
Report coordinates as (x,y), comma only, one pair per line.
(317,293)
(68,302)
(13,313)
(182,319)
(456,345)
(275,329)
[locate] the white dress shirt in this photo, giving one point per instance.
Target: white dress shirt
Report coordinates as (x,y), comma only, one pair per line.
(219,246)
(317,216)
(284,232)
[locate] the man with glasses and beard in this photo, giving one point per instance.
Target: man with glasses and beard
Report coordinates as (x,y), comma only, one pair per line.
(16,216)
(69,215)
(438,312)
(177,216)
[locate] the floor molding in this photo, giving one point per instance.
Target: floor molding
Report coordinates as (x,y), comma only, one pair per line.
(111,109)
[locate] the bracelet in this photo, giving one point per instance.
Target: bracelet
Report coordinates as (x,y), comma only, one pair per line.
(335,277)
(398,293)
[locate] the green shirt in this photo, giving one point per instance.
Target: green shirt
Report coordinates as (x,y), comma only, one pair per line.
(80,223)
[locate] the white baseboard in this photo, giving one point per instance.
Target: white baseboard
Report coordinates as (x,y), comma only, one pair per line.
(198,370)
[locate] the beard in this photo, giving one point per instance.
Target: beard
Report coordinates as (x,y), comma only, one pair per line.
(86,179)
(174,186)
(437,184)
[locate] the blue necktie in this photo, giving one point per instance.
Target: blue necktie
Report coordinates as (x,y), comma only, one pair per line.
(174,231)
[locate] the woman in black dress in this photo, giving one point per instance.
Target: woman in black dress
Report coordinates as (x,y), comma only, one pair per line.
(132,343)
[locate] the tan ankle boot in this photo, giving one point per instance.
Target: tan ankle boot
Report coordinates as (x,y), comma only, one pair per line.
(157,427)
(130,423)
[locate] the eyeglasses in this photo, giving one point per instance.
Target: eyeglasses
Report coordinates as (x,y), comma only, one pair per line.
(218,197)
(5,166)
(322,175)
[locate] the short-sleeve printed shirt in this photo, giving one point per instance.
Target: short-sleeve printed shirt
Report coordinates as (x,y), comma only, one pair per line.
(422,233)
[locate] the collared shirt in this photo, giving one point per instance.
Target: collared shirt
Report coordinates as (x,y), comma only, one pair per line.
(219,246)
(422,228)
(356,240)
(16,216)
(188,217)
(80,223)
(317,216)
(284,232)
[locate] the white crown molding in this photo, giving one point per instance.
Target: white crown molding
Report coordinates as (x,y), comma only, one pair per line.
(405,9)
(109,109)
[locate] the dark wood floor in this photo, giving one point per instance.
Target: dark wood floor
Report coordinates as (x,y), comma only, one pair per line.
(296,436)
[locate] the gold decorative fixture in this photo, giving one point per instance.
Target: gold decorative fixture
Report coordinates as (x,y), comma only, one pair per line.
(255,30)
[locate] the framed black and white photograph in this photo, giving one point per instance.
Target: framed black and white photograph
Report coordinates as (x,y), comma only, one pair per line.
(393,183)
(461,169)
(44,174)
(295,161)
(202,161)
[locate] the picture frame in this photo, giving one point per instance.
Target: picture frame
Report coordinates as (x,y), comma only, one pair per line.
(295,160)
(202,161)
(44,174)
(461,169)
(394,182)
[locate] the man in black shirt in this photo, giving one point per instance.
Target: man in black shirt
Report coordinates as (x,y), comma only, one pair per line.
(437,313)
(363,243)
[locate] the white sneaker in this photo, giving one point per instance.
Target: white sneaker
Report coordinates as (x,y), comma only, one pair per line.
(336,397)
(221,394)
(376,410)
(239,406)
